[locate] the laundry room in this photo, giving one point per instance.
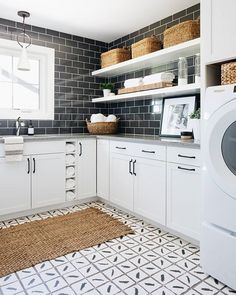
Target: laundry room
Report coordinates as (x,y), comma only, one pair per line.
(117,147)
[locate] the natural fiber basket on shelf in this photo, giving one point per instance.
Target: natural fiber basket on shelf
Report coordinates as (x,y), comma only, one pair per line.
(114,56)
(102,127)
(145,46)
(182,32)
(228,73)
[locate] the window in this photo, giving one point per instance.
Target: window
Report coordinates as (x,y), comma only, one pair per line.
(26,94)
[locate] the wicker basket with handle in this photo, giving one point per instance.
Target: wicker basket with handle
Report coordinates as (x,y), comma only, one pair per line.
(182,32)
(100,128)
(228,73)
(114,56)
(145,46)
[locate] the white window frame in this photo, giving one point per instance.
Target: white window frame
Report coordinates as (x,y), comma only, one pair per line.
(46,57)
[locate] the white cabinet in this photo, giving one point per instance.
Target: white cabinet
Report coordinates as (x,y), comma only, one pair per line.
(150,189)
(139,183)
(218,30)
(86,168)
(121,181)
(36,181)
(15,187)
(103,169)
(184,191)
(48,179)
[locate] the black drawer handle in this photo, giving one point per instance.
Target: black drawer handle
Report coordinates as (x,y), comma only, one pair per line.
(28,160)
(34,165)
(120,148)
(80,149)
(187,169)
(188,157)
(149,152)
(130,162)
(134,162)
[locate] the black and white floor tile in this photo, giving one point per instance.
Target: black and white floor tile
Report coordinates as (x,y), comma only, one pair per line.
(150,261)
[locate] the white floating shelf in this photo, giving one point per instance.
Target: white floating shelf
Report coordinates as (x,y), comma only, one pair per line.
(151,60)
(157,93)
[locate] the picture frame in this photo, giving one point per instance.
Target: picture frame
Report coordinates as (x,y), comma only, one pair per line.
(175,115)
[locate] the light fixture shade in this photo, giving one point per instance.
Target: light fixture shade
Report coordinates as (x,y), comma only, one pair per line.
(23,64)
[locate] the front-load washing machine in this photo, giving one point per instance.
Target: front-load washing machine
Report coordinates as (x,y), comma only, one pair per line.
(218,239)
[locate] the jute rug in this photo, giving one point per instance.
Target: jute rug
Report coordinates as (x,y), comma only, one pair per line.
(25,245)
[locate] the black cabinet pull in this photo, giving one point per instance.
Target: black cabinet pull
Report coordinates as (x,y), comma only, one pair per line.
(188,157)
(34,169)
(120,148)
(80,149)
(130,162)
(28,161)
(187,169)
(149,152)
(134,162)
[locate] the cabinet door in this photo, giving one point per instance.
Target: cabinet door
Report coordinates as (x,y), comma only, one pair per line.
(184,199)
(218,29)
(103,171)
(15,194)
(150,189)
(48,179)
(121,181)
(87,168)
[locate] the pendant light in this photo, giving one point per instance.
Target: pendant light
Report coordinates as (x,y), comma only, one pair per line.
(23,64)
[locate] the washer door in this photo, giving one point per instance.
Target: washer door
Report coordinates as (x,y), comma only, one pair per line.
(228,147)
(220,147)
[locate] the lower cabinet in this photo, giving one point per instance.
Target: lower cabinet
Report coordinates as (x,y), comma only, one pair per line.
(121,181)
(150,189)
(86,168)
(36,181)
(161,184)
(15,188)
(138,184)
(48,179)
(184,199)
(165,191)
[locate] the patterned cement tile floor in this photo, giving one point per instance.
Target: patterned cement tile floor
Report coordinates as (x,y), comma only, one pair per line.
(151,261)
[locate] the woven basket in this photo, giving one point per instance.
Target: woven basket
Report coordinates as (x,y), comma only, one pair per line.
(145,87)
(114,56)
(228,73)
(102,127)
(145,46)
(182,32)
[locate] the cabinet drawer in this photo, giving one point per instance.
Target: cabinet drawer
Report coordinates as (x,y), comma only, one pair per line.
(150,151)
(41,147)
(188,156)
(122,147)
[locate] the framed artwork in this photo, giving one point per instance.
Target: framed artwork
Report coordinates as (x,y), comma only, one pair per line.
(175,115)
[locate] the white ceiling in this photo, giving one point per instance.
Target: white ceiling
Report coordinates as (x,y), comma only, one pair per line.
(104,20)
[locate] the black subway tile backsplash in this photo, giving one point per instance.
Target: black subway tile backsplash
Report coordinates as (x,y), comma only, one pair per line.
(76,57)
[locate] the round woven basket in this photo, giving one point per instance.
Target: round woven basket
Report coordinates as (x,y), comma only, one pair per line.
(102,127)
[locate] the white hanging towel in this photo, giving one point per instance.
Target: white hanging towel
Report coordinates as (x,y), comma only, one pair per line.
(14,146)
(133,82)
(159,77)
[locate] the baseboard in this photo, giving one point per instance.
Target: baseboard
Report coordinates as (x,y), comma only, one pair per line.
(46,208)
(156,224)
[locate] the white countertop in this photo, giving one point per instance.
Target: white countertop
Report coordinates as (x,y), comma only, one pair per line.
(120,137)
